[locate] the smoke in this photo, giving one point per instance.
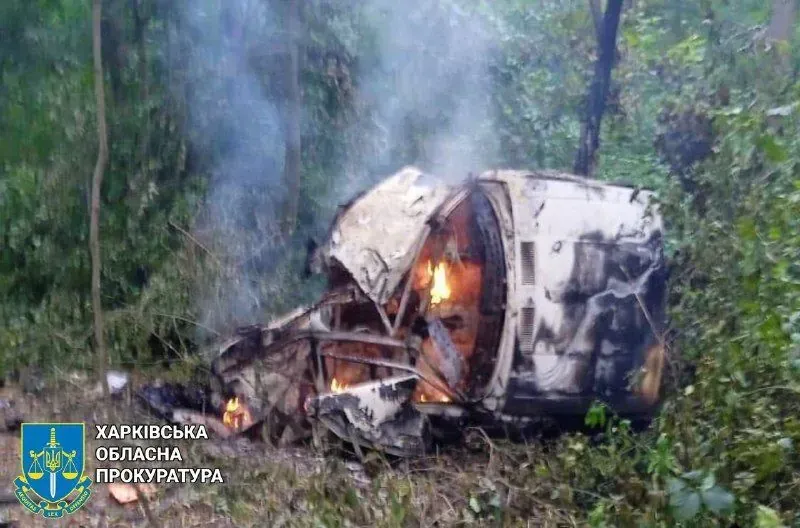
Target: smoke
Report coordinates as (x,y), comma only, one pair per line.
(235,125)
(422,80)
(431,89)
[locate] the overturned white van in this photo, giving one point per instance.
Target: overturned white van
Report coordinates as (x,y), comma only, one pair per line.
(510,296)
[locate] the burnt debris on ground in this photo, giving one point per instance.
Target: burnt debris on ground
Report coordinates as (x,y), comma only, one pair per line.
(494,302)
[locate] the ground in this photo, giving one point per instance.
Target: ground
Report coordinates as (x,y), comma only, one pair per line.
(299,486)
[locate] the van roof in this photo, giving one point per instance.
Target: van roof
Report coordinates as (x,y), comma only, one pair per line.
(550,174)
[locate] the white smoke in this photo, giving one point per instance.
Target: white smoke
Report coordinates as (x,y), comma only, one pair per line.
(423,79)
(233,120)
(430,91)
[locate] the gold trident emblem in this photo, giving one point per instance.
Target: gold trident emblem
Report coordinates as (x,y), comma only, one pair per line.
(53,453)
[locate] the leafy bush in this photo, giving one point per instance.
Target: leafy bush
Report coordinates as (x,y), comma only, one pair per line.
(724,449)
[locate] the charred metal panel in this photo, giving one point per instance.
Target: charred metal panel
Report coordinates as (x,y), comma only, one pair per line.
(493,276)
(374,238)
(375,414)
(598,332)
(280,381)
(572,299)
(448,359)
(494,289)
(598,260)
(495,188)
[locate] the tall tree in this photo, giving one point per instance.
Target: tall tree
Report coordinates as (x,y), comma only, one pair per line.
(586,157)
(292,160)
(140,20)
(101,356)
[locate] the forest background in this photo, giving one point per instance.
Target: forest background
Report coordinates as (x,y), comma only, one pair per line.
(235,128)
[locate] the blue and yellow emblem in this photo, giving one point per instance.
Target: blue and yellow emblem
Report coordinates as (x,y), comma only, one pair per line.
(52,468)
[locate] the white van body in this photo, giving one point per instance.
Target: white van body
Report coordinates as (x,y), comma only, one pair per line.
(567,287)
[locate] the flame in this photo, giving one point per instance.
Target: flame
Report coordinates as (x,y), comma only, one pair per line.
(236,415)
(440,290)
(232,406)
(336,386)
(438,398)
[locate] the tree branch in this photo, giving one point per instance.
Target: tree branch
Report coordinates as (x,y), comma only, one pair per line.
(585,158)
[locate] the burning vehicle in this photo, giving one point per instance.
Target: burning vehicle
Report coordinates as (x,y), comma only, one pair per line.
(510,296)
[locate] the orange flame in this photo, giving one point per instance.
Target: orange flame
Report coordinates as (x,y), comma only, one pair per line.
(336,386)
(438,398)
(236,415)
(440,290)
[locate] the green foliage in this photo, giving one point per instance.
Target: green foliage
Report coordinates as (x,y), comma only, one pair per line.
(596,416)
(540,81)
(48,152)
(723,450)
(695,490)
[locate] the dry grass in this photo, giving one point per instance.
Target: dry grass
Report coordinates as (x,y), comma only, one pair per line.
(487,484)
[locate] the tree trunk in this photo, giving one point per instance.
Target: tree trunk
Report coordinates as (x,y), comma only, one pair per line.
(585,159)
(780,26)
(139,25)
(291,170)
(101,357)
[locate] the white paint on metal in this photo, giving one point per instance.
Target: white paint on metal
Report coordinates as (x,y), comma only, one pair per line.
(374,238)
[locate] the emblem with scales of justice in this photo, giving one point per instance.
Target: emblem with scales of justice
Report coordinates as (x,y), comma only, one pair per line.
(53,456)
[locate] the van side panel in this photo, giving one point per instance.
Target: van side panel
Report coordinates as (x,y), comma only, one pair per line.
(590,289)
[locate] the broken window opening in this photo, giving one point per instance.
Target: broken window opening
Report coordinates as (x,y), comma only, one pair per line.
(442,303)
(448,281)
